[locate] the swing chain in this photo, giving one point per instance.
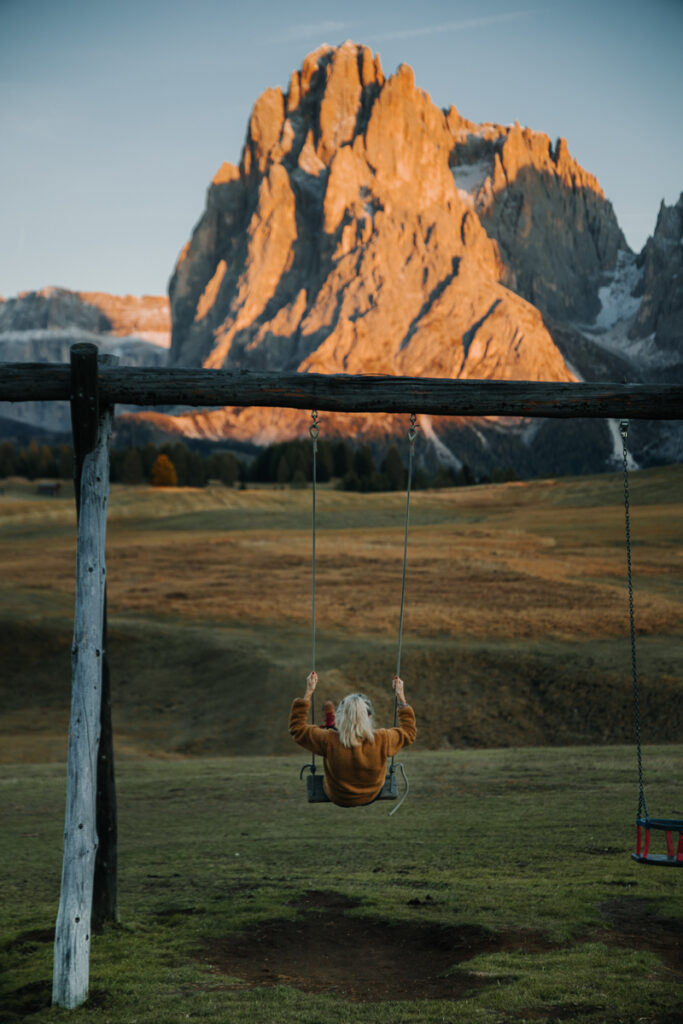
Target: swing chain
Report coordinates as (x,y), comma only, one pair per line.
(314,431)
(412,434)
(642,806)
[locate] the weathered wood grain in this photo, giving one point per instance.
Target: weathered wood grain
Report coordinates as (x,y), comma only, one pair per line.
(35,382)
(73,930)
(153,386)
(85,406)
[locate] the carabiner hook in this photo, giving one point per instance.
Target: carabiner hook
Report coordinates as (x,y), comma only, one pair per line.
(314,428)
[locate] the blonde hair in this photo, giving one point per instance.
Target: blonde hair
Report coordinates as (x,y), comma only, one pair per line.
(354,720)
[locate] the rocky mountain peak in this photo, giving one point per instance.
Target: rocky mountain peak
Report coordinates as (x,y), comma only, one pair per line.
(342,241)
(366,230)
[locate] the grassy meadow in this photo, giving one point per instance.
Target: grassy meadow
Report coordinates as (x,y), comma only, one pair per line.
(502,891)
(516,624)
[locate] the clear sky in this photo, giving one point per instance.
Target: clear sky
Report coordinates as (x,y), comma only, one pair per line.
(115,114)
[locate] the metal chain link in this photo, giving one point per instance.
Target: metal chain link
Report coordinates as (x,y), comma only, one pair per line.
(642,805)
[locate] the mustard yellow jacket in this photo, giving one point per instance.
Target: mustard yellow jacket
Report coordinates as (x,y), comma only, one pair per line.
(353,775)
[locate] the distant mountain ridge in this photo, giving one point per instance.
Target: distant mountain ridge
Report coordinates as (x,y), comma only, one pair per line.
(146,317)
(41,327)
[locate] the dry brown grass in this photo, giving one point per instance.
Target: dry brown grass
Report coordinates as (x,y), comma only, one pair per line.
(491,563)
(514,568)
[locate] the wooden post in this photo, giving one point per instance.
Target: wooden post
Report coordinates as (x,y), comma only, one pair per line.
(73,930)
(85,408)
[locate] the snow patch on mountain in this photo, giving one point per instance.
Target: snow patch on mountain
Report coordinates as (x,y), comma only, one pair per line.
(616,297)
(619,308)
(443,452)
(469,179)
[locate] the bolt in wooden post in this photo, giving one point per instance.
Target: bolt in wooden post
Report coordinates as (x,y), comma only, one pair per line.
(73,930)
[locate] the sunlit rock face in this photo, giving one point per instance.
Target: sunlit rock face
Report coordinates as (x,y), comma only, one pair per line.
(342,242)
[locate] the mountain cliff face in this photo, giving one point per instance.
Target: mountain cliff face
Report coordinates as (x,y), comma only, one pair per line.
(661,311)
(367,231)
(342,243)
(556,231)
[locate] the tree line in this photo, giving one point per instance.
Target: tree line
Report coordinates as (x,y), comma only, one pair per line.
(287,463)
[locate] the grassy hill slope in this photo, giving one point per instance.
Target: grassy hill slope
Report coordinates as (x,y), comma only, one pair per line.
(515,630)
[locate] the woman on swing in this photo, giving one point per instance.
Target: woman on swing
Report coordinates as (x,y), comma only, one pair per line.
(354,752)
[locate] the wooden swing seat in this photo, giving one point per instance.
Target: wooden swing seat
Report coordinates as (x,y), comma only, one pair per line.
(317,795)
(674,856)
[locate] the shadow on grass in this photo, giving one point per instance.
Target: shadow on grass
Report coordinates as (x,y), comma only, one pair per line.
(361,959)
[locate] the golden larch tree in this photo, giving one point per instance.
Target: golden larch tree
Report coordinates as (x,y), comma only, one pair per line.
(164,472)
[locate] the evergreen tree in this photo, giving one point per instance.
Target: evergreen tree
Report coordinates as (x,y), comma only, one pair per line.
(379,482)
(227,468)
(179,455)
(9,459)
(465,476)
(47,465)
(149,453)
(392,467)
(445,476)
(342,459)
(299,457)
(131,467)
(420,479)
(283,473)
(30,459)
(325,462)
(363,462)
(65,462)
(350,481)
(196,470)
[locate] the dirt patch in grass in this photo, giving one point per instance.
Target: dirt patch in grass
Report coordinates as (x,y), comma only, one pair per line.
(361,959)
(555,1014)
(636,925)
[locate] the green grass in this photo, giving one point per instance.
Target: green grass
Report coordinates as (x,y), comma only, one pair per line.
(534,841)
(516,634)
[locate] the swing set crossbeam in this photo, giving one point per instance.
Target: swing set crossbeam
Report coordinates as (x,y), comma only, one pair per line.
(154,386)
